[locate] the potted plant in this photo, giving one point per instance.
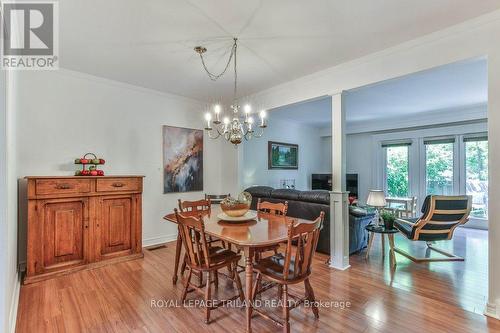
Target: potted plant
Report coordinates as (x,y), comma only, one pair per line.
(388,219)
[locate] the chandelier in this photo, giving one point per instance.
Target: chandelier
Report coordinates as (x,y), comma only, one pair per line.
(233,128)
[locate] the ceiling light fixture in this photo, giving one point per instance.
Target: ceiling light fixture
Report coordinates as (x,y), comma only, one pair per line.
(240,127)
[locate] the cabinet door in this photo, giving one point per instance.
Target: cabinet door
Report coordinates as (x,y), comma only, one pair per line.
(116,226)
(64,233)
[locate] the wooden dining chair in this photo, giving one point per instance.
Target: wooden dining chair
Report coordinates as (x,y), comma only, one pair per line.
(291,268)
(216,198)
(202,207)
(205,260)
(270,208)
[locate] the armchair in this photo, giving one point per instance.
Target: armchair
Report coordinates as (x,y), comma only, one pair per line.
(440,216)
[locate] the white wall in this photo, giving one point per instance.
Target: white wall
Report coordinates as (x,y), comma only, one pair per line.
(326,153)
(255,162)
(360,160)
(4,315)
(12,278)
(62,115)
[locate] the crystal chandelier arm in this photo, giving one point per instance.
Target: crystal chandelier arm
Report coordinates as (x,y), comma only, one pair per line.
(218,134)
(260,134)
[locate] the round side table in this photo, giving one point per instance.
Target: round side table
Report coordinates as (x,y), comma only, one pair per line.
(382,230)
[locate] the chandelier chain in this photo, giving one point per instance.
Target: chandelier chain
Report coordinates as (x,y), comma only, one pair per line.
(213,76)
(235,46)
(240,127)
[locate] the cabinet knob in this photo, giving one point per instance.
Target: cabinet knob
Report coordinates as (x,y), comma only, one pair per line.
(63,186)
(117,184)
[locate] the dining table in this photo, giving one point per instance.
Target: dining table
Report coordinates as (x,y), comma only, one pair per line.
(265,230)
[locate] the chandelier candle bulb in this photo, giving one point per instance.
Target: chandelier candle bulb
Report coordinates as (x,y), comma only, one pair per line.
(262,118)
(208,117)
(217,113)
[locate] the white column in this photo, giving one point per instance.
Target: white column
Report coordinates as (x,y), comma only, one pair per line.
(339,210)
(493,307)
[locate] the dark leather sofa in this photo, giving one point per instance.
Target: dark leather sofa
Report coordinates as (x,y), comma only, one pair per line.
(308,205)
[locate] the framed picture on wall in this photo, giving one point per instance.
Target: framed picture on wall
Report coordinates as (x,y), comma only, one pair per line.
(282,155)
(182,159)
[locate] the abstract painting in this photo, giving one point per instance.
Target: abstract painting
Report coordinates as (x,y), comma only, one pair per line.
(182,159)
(282,155)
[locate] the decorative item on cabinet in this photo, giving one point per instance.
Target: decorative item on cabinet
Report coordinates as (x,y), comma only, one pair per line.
(92,162)
(76,223)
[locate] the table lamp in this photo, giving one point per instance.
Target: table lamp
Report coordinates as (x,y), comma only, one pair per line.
(376,198)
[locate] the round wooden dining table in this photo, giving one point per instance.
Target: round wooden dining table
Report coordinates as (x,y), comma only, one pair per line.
(267,229)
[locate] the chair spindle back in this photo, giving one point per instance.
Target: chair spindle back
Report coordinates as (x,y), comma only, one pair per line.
(307,235)
(272,208)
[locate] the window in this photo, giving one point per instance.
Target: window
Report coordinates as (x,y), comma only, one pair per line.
(439,169)
(397,170)
(452,164)
(476,174)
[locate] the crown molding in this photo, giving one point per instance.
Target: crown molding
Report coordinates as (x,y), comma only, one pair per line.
(124,85)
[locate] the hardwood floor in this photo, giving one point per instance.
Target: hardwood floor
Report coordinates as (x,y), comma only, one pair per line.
(434,297)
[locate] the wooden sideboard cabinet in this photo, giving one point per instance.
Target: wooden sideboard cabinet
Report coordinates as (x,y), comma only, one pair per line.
(75,223)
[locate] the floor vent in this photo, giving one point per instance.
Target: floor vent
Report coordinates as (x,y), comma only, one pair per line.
(154,248)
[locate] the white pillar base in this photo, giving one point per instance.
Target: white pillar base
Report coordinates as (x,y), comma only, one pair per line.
(491,310)
(339,230)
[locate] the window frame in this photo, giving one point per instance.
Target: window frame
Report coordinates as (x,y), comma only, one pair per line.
(398,143)
(475,222)
(423,158)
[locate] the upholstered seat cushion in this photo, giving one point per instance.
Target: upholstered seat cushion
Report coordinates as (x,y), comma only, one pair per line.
(219,255)
(406,228)
(273,267)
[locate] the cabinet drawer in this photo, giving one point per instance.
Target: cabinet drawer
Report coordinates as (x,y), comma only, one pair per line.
(62,186)
(118,184)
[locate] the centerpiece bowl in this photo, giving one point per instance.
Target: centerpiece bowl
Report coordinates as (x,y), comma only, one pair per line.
(237,207)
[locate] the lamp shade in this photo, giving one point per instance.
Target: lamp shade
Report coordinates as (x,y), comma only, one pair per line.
(376,198)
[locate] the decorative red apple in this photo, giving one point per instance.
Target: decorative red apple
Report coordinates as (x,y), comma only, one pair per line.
(90,163)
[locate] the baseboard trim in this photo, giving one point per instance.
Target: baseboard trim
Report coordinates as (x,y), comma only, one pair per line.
(159,240)
(491,311)
(14,305)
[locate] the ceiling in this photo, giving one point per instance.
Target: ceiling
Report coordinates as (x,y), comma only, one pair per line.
(316,113)
(458,85)
(150,43)
(455,86)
